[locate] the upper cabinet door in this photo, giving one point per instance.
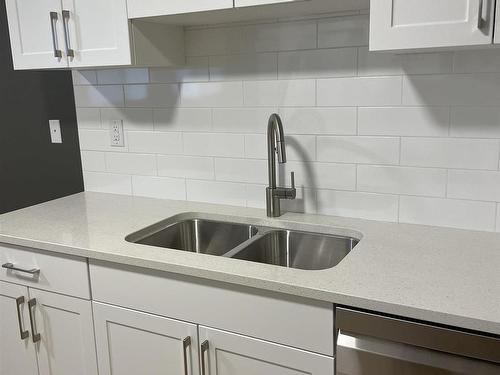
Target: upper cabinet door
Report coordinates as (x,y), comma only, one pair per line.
(414,24)
(497,23)
(246,3)
(36,33)
(224,353)
(17,354)
(96,33)
(149,8)
(66,344)
(131,342)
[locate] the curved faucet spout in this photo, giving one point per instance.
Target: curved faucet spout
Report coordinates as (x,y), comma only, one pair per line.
(276,137)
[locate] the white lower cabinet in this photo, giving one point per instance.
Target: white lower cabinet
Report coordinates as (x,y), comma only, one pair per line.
(224,353)
(66,331)
(131,342)
(17,354)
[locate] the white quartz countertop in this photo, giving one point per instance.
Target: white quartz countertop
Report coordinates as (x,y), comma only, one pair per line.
(441,275)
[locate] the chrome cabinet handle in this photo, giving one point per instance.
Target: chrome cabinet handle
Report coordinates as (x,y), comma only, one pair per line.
(12,267)
(53,23)
(186,343)
(204,349)
(481,19)
(66,16)
(24,334)
(31,305)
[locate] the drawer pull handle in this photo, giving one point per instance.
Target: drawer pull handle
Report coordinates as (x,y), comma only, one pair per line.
(19,302)
(53,24)
(186,343)
(12,267)
(31,306)
(204,349)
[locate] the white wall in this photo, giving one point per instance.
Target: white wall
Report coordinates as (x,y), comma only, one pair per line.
(410,138)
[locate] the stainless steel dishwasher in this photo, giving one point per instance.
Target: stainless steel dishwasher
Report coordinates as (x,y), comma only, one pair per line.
(370,344)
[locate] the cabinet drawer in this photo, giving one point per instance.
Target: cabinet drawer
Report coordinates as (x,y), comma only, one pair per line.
(288,320)
(58,273)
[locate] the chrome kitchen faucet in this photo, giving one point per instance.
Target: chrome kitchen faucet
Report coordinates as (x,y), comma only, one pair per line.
(276,145)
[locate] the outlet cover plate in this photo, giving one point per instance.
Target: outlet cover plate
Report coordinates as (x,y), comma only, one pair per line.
(116,133)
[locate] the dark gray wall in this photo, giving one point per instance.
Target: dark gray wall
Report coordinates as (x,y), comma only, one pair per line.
(32,169)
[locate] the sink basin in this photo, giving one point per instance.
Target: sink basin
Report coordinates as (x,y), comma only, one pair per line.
(196,235)
(294,249)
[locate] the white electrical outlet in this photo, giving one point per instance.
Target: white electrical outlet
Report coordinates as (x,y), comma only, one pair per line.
(55,131)
(116,133)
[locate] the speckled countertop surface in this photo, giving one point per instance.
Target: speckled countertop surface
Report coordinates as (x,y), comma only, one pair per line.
(440,275)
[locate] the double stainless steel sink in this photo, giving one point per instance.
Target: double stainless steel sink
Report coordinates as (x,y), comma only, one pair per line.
(255,243)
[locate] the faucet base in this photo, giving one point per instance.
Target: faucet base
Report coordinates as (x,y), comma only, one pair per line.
(272,203)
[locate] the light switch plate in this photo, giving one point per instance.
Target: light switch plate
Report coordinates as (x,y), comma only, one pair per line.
(116,133)
(55,131)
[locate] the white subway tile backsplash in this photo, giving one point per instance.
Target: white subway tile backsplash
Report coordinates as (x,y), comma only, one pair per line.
(152,96)
(93,161)
(343,32)
(448,89)
(210,144)
(122,76)
(133,118)
(241,120)
(216,192)
(186,167)
(475,122)
(159,187)
(363,150)
(241,170)
(212,94)
(320,63)
(409,137)
(334,121)
(243,67)
(108,183)
(404,121)
(99,96)
(372,91)
(448,213)
(183,119)
(294,93)
(88,118)
(402,180)
(155,142)
(474,185)
(355,204)
(450,153)
(133,164)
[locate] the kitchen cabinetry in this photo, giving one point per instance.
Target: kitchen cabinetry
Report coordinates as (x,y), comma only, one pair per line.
(148,8)
(17,354)
(419,24)
(497,24)
(131,342)
(87,33)
(224,353)
(246,3)
(44,332)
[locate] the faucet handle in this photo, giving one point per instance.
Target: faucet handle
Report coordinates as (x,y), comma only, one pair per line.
(292,178)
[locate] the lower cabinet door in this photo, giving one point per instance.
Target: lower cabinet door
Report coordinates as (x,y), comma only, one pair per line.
(17,352)
(66,344)
(224,353)
(131,343)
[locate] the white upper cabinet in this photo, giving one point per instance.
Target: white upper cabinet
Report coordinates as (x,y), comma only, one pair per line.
(36,33)
(246,3)
(97,32)
(416,24)
(148,8)
(497,23)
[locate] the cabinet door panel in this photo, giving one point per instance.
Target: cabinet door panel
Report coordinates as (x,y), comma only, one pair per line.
(98,32)
(147,8)
(131,342)
(246,3)
(232,354)
(67,343)
(413,24)
(17,356)
(31,33)
(497,23)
